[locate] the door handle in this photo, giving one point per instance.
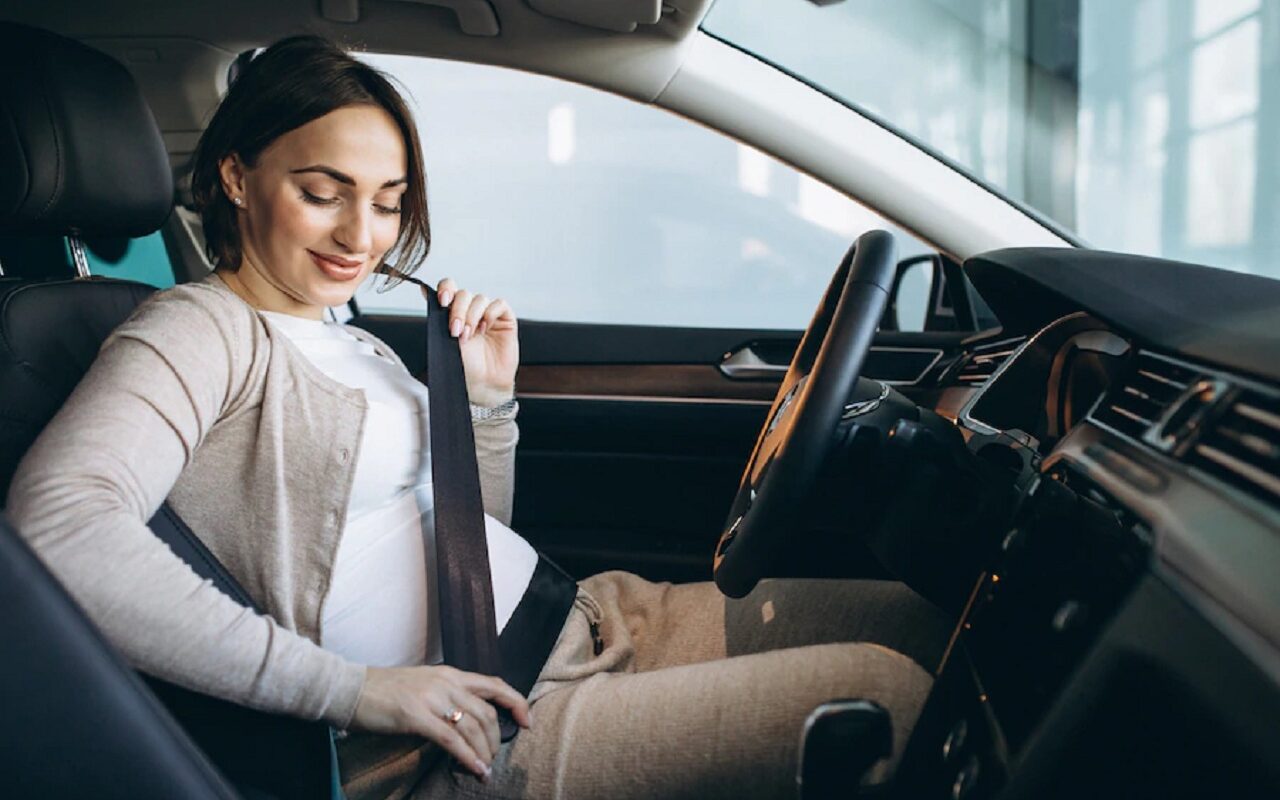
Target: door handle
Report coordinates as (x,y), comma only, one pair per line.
(745,364)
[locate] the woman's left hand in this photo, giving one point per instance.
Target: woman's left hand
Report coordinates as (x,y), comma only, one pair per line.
(486,331)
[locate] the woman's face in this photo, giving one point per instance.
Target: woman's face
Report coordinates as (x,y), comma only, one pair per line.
(319,210)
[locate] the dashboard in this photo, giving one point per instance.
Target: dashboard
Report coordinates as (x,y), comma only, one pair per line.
(1052,381)
(1123,636)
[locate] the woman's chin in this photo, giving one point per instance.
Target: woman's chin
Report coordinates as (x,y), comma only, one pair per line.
(331,295)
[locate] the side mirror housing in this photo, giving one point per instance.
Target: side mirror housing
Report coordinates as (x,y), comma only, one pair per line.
(930,293)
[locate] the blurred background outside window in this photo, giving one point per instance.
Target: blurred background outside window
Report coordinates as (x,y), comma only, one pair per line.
(581,206)
(1146,126)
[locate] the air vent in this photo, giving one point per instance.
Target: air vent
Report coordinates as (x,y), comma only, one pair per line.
(985,360)
(1243,446)
(1134,405)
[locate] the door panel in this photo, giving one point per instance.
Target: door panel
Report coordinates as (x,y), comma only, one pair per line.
(633,439)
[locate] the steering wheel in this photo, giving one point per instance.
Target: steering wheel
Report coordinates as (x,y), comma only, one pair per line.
(797,433)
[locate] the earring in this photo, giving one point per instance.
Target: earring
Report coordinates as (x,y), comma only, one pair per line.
(238,201)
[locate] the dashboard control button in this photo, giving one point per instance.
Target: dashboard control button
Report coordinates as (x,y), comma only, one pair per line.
(1070,615)
(1011,539)
(955,741)
(966,779)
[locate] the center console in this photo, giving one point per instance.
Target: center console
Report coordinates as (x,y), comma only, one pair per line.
(1060,574)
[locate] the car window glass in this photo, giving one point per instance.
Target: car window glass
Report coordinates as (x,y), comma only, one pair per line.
(1146,126)
(581,206)
(144,260)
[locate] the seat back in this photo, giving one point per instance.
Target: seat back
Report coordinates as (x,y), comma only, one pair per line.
(49,334)
(78,722)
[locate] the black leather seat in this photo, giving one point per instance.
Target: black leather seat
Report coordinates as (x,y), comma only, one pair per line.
(50,332)
(80,154)
(77,721)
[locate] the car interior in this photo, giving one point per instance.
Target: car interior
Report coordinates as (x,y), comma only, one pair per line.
(1074,453)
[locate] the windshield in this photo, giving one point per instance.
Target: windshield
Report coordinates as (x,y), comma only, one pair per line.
(1146,127)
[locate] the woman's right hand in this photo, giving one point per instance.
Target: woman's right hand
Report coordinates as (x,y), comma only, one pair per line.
(417,700)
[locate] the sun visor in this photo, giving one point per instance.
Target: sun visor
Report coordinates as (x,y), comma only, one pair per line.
(623,16)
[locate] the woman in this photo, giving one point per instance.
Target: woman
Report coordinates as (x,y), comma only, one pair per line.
(296,450)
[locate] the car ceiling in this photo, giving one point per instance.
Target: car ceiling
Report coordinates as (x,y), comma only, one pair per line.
(179,51)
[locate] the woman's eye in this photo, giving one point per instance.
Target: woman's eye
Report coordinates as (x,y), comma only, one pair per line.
(315,199)
(386,209)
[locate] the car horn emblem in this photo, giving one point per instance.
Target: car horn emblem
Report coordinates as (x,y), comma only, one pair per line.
(860,407)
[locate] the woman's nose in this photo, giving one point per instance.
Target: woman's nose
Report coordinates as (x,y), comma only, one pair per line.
(355,232)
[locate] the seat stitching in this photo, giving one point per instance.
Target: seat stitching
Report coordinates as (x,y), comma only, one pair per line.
(57,147)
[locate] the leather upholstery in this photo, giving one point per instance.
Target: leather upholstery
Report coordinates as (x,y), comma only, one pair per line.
(49,334)
(77,721)
(79,149)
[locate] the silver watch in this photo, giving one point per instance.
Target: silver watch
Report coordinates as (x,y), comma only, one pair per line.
(486,412)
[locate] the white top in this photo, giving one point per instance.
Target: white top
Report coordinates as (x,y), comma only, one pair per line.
(381,607)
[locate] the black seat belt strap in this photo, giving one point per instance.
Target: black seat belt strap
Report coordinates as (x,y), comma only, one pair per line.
(468,625)
(263,754)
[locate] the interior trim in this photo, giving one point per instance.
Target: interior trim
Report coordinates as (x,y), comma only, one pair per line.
(730,91)
(937,356)
(674,381)
(631,398)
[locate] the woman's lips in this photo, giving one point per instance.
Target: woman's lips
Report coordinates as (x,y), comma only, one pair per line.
(339,269)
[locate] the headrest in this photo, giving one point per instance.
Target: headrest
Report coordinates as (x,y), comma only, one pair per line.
(79,149)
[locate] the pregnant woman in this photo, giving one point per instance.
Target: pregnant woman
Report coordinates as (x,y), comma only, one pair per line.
(297,450)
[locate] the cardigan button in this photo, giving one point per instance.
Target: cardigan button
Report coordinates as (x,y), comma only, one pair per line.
(343,455)
(333,517)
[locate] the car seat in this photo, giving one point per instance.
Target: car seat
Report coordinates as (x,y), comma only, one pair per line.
(80,155)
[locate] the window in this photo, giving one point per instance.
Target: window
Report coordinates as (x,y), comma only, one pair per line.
(144,259)
(577,205)
(1146,126)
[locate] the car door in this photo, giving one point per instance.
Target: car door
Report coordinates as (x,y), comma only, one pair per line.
(662,274)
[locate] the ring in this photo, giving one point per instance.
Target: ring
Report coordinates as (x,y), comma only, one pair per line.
(454,716)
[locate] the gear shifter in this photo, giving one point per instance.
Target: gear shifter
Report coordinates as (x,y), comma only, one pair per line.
(841,740)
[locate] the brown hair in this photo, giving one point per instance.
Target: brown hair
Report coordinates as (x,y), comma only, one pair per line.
(291,83)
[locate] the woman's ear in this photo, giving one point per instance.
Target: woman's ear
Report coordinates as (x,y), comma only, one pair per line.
(231,170)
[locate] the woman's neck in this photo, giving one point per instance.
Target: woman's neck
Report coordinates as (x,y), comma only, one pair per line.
(250,286)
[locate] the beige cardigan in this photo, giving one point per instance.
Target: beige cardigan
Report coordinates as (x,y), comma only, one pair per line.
(196,399)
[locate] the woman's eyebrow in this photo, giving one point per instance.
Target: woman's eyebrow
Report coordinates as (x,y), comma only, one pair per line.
(342,177)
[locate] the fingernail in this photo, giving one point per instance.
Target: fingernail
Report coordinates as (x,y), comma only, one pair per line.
(455,327)
(467,331)
(484,769)
(446,298)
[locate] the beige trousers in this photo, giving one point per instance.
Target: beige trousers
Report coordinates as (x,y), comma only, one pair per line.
(694,696)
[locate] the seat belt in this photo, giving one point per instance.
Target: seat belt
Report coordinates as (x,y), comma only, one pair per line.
(295,758)
(468,625)
(262,754)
